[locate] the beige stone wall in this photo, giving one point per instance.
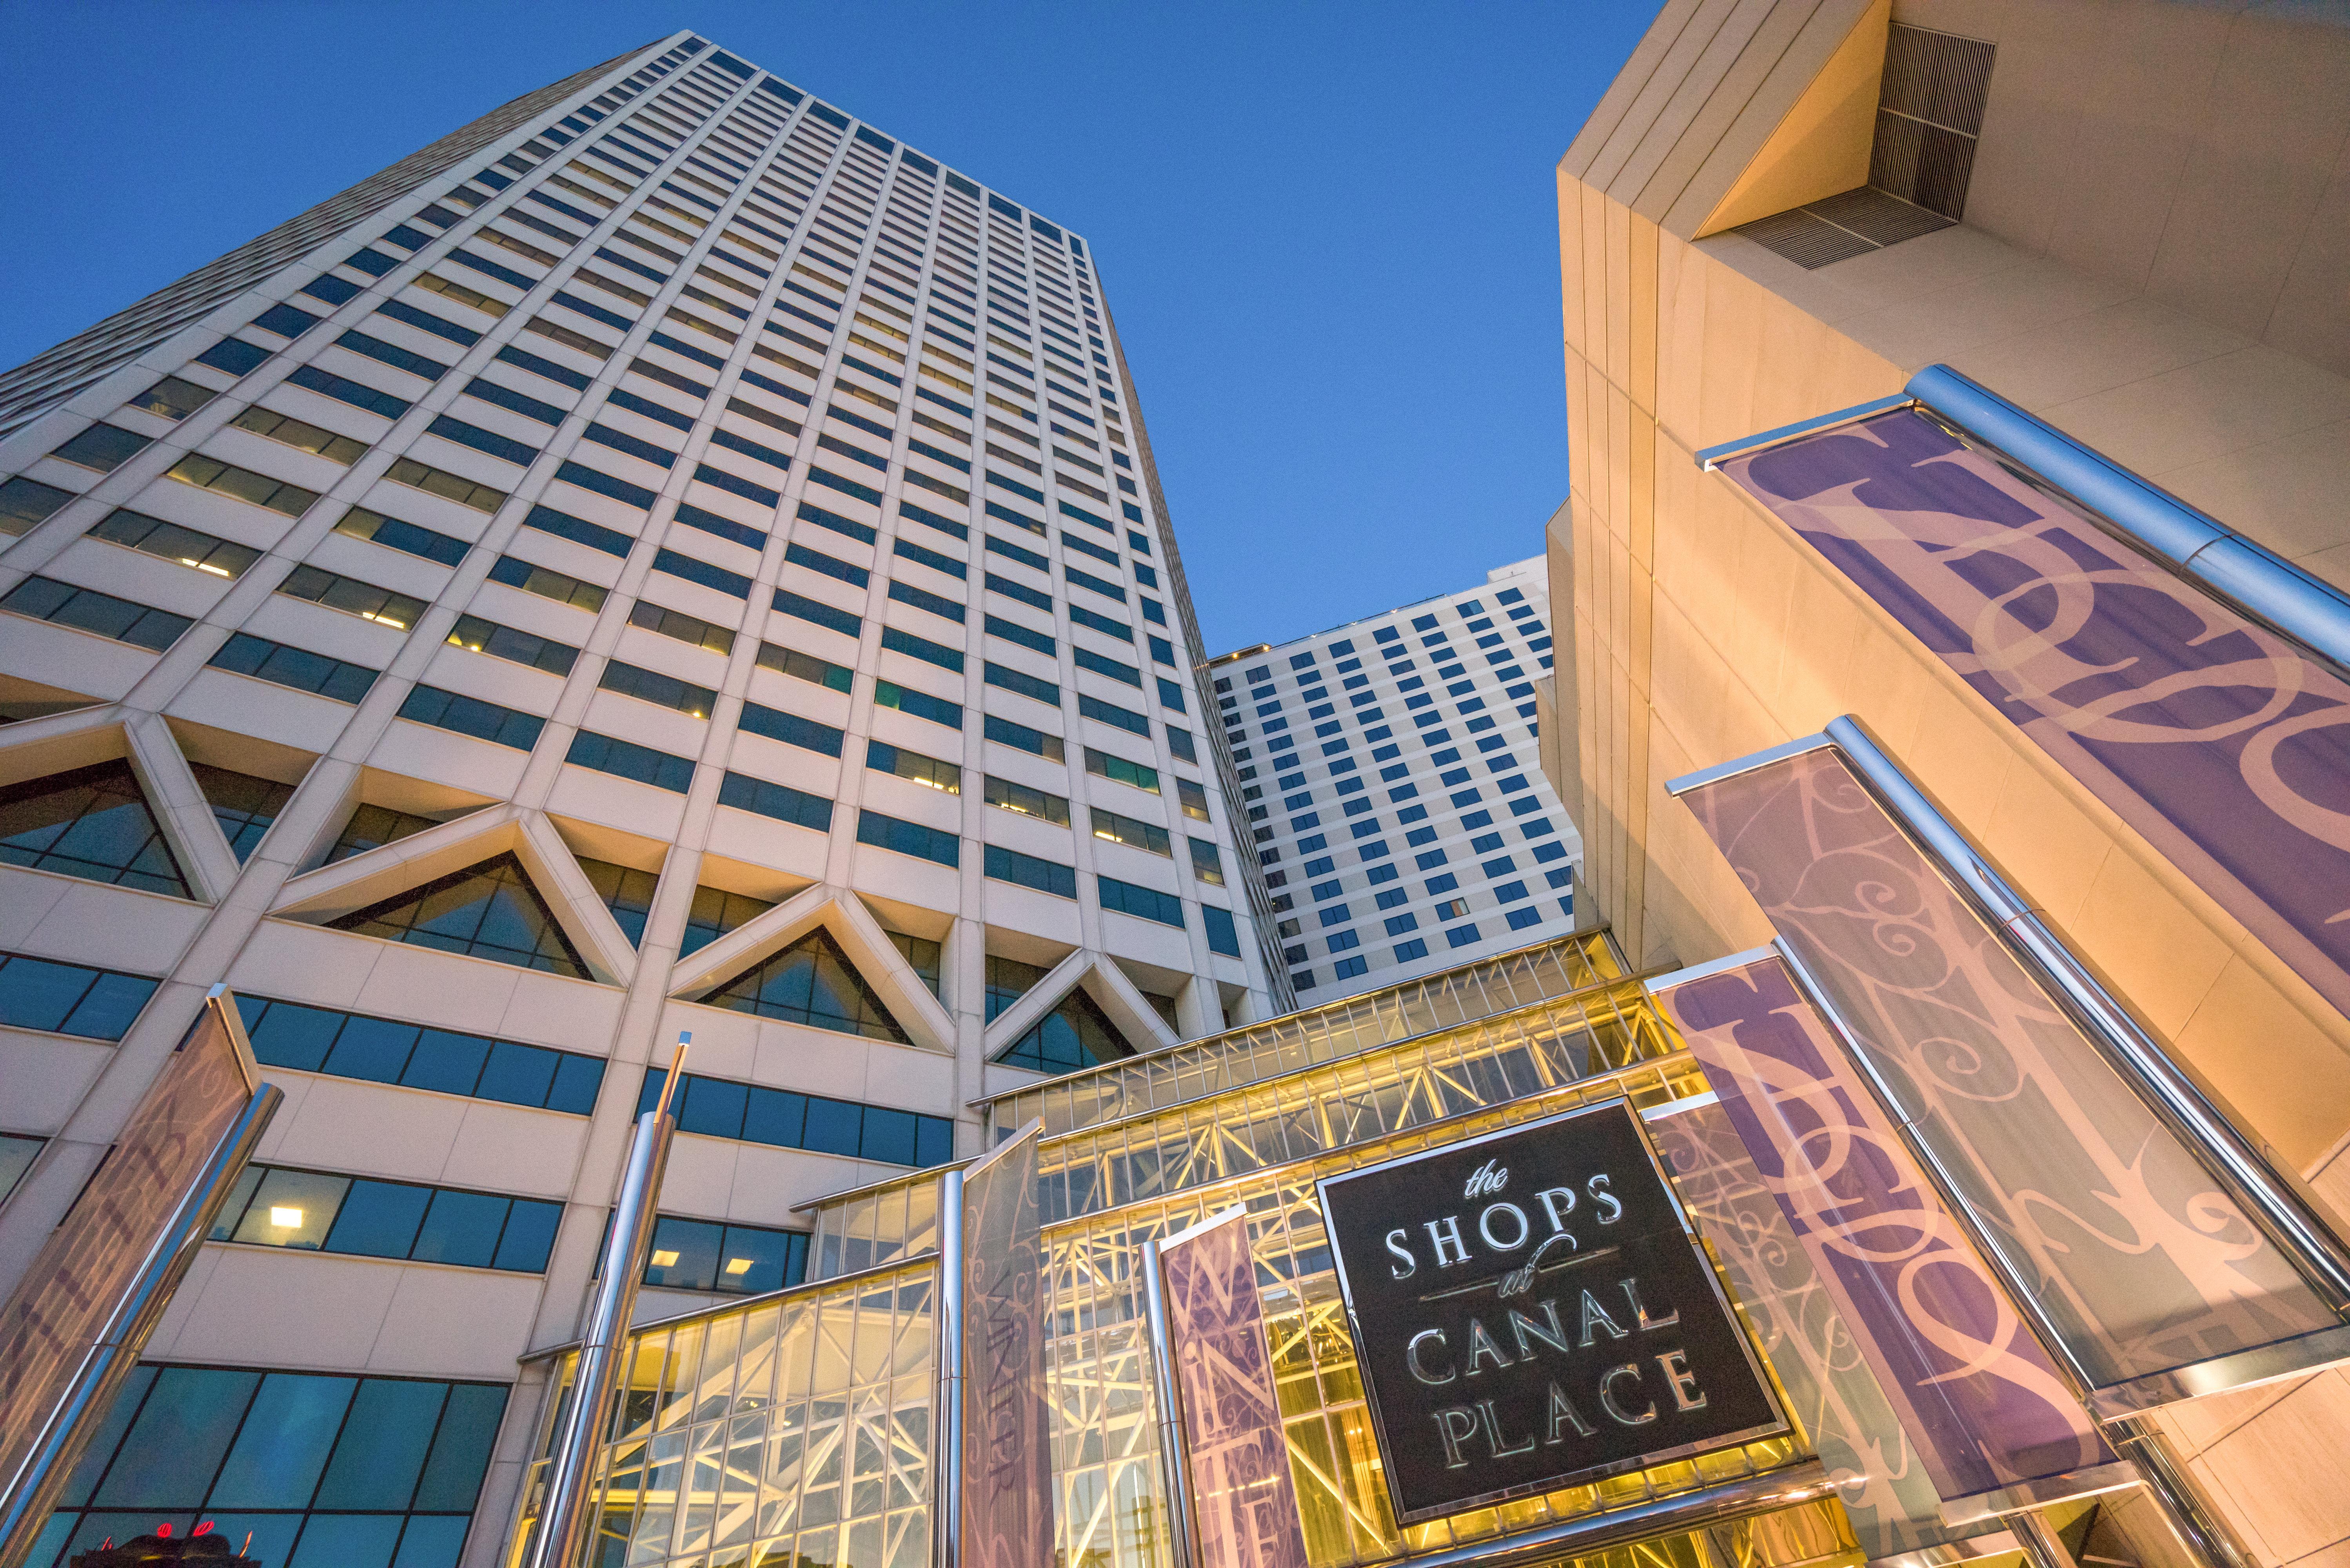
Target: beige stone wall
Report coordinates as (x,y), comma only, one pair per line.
(1703,629)
(2196,154)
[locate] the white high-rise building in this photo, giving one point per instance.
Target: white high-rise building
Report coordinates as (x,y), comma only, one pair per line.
(666,557)
(1388,773)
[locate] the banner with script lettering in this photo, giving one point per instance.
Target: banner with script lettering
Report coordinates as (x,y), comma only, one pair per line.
(1007,1472)
(2219,739)
(1888,1499)
(1531,1312)
(1976,1392)
(1243,1500)
(2138,1259)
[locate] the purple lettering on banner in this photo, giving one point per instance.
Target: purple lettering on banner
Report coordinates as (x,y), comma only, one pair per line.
(1243,1499)
(2219,741)
(1007,1474)
(1888,1499)
(2136,1256)
(1976,1393)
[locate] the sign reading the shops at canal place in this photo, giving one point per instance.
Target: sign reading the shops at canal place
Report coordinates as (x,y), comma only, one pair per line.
(1531,1312)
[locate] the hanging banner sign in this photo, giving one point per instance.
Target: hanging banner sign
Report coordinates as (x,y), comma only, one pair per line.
(1243,1500)
(2215,738)
(1889,1501)
(1977,1395)
(1007,1472)
(1531,1311)
(2141,1264)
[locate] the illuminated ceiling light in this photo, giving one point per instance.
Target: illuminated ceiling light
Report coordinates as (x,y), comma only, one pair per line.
(738,1265)
(283,1218)
(664,1260)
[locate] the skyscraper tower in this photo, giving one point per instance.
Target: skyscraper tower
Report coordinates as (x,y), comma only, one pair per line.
(1389,782)
(665,558)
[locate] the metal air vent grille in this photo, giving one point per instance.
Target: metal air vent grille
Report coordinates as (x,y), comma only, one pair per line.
(1930,112)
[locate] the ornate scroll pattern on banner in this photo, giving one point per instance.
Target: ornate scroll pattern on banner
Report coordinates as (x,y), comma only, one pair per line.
(67,1297)
(1976,1392)
(1892,1504)
(1243,1499)
(1007,1471)
(2219,741)
(2144,1262)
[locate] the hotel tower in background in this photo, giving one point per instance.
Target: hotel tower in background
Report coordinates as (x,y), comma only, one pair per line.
(1391,782)
(664,558)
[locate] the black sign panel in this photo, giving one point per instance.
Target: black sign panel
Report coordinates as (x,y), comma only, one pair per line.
(1530,1311)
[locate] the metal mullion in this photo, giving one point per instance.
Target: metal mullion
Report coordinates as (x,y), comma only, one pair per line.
(342,1427)
(116,1452)
(227,1449)
(448,1392)
(1657,1072)
(505,1220)
(417,1040)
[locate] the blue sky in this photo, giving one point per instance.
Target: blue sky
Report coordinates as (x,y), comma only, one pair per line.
(1327,230)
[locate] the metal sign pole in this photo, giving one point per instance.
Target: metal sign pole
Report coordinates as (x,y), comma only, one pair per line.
(2271,1199)
(1168,1389)
(563,1519)
(946,1462)
(2197,1527)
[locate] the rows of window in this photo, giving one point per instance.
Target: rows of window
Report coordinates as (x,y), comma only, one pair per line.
(723,1259)
(1389,805)
(752,1113)
(386,1051)
(308,671)
(284,320)
(321,1212)
(493,229)
(304,670)
(492,909)
(52,376)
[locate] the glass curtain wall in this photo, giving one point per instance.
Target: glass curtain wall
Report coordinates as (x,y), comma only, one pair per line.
(1297,1040)
(792,1430)
(718,1451)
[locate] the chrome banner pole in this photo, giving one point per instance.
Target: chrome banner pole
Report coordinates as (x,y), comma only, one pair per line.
(2043,1547)
(2176,1498)
(1167,1391)
(2272,1199)
(32,1490)
(946,1462)
(563,1519)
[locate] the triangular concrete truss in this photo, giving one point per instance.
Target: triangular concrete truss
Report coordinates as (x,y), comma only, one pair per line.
(845,917)
(83,737)
(1105,982)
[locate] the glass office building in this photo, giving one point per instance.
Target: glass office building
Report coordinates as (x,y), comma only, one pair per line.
(1964,1043)
(667,558)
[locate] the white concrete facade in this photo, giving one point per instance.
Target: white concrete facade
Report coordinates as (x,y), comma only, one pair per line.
(754,264)
(1394,796)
